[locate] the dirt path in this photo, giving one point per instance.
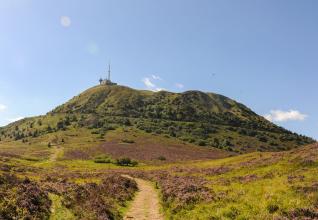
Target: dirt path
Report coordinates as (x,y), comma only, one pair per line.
(146,204)
(57,151)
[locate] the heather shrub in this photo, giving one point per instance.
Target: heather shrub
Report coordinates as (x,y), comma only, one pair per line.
(182,191)
(22,199)
(99,201)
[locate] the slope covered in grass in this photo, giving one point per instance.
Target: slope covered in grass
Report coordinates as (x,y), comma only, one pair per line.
(203,119)
(260,185)
(252,186)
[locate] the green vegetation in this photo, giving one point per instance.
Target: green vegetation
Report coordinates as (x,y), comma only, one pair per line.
(103,159)
(58,210)
(73,162)
(126,161)
(266,185)
(257,185)
(203,119)
(128,141)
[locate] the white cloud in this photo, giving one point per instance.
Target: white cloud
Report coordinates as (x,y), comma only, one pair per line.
(179,85)
(160,89)
(148,83)
(65,21)
(151,85)
(10,120)
(156,77)
(3,107)
(281,116)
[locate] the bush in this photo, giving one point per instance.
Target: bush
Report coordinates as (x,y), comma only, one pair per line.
(99,201)
(60,125)
(202,143)
(191,140)
(126,161)
(128,141)
(272,208)
(103,159)
(126,122)
(162,158)
(23,199)
(262,139)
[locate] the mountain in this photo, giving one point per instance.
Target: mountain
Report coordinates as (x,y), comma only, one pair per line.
(118,115)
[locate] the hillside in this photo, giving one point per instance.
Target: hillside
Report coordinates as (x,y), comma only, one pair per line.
(189,120)
(259,185)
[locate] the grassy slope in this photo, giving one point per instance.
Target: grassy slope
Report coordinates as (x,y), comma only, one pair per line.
(256,184)
(194,117)
(265,185)
(77,144)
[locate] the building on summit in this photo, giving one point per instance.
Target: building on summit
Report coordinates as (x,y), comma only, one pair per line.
(107,81)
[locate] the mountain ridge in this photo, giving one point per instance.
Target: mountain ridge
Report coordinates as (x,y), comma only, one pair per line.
(204,119)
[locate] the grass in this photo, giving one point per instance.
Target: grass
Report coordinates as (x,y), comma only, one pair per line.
(269,194)
(197,118)
(266,185)
(72,151)
(59,212)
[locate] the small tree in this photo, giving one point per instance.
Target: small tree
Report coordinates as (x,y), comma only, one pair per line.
(126,161)
(49,129)
(60,125)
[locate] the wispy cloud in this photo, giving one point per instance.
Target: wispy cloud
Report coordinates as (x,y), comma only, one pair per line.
(65,21)
(151,85)
(281,116)
(3,107)
(179,85)
(156,77)
(148,83)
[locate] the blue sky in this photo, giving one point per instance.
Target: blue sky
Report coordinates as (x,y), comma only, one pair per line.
(261,53)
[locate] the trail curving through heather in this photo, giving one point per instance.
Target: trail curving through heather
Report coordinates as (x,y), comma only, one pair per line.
(57,152)
(146,205)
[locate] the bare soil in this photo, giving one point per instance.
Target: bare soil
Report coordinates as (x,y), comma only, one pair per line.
(146,205)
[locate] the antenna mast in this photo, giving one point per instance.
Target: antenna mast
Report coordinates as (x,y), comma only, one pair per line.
(109,71)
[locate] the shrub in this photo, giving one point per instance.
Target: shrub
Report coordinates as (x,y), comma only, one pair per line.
(262,139)
(126,161)
(60,125)
(103,159)
(126,122)
(162,158)
(202,143)
(49,129)
(128,141)
(191,140)
(99,201)
(101,136)
(226,144)
(272,208)
(22,199)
